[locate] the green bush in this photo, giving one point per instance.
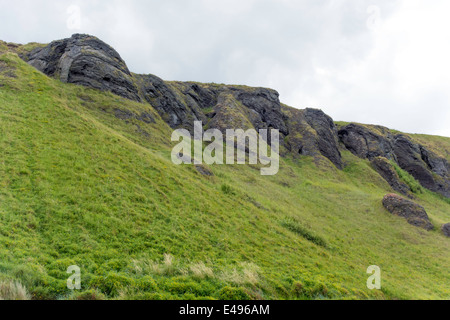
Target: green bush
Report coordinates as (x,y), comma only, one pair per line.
(182,286)
(230,293)
(146,284)
(226,189)
(309,289)
(88,295)
(112,283)
(408,179)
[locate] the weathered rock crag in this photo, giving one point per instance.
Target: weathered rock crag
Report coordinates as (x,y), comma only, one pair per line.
(85,60)
(446,230)
(313,133)
(88,61)
(412,212)
(387,171)
(426,167)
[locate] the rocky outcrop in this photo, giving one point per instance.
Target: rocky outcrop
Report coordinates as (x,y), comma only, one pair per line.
(411,211)
(426,167)
(88,61)
(312,133)
(446,230)
(430,170)
(366,143)
(438,165)
(326,131)
(217,106)
(409,159)
(171,107)
(228,113)
(266,107)
(387,171)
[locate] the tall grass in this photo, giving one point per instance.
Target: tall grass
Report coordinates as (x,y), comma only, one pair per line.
(13,290)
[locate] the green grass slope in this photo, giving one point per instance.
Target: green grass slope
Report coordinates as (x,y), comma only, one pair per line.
(81,185)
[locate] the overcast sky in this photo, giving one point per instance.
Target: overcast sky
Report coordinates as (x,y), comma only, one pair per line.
(379,61)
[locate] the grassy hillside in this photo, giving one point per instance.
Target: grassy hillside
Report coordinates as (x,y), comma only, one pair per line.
(84,182)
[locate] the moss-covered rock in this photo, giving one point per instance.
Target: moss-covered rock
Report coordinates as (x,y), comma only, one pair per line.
(411,211)
(387,171)
(370,142)
(446,230)
(85,60)
(312,133)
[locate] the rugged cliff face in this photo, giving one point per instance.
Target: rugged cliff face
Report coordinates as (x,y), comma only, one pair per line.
(424,165)
(88,61)
(312,133)
(218,106)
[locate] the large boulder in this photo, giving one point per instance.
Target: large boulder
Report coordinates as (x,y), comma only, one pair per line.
(88,61)
(411,211)
(446,229)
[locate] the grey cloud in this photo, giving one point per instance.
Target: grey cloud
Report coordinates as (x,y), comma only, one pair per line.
(317,53)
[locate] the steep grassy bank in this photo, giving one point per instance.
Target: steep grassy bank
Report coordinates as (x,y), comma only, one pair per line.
(85,182)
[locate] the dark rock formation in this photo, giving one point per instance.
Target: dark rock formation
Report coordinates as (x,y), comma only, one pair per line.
(204,171)
(409,159)
(327,133)
(266,106)
(438,165)
(228,113)
(365,143)
(446,229)
(430,170)
(244,108)
(411,211)
(312,133)
(86,60)
(387,171)
(164,99)
(218,106)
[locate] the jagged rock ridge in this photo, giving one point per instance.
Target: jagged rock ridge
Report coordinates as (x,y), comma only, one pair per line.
(431,171)
(88,61)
